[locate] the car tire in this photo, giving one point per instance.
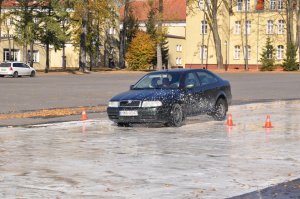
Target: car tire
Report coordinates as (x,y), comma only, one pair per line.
(220,110)
(15,75)
(123,124)
(176,116)
(32,74)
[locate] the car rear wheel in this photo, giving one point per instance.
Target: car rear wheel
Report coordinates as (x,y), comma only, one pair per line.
(15,75)
(123,124)
(220,110)
(32,74)
(177,116)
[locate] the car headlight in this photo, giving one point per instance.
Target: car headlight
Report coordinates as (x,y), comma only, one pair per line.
(113,104)
(151,103)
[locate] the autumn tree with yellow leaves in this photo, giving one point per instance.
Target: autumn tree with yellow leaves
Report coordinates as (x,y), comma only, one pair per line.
(141,52)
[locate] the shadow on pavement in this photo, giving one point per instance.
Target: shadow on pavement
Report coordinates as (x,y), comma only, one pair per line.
(286,190)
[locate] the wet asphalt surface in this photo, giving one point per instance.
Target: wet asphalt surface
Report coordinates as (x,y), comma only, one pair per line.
(57,90)
(202,159)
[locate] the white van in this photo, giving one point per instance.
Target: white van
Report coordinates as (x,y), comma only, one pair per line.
(16,69)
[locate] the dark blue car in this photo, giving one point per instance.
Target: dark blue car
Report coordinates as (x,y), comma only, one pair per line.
(170,96)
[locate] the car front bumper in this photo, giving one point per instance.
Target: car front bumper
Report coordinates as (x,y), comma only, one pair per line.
(145,115)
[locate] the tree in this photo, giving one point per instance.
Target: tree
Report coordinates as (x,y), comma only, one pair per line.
(157,36)
(123,34)
(25,28)
(298,32)
(268,56)
(160,33)
(51,31)
(132,28)
(290,62)
(140,52)
(211,11)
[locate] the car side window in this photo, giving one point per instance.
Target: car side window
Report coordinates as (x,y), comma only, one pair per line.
(206,78)
(25,66)
(17,65)
(191,80)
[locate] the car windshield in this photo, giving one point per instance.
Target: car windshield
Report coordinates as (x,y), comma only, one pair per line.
(5,65)
(159,81)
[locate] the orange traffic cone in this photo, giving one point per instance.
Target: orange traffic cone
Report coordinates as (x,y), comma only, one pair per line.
(268,123)
(83,116)
(229,120)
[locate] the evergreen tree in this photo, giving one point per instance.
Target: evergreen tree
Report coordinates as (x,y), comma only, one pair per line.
(157,36)
(268,56)
(26,29)
(51,32)
(290,62)
(132,28)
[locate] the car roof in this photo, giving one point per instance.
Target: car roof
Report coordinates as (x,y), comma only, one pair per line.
(179,70)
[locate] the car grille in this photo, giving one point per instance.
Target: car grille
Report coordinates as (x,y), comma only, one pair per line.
(130,103)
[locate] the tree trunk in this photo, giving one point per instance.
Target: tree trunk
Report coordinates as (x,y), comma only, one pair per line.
(64,61)
(290,21)
(218,46)
(82,56)
(47,57)
(246,50)
(31,54)
(123,34)
(1,1)
(298,31)
(158,46)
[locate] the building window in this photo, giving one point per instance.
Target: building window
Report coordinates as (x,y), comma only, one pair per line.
(237,27)
(178,61)
(248,27)
(248,5)
(178,48)
(112,31)
(280,27)
(270,27)
(237,52)
(272,4)
(203,27)
(14,55)
(280,52)
(247,52)
(36,56)
(239,5)
(8,21)
(203,52)
(280,4)
(202,5)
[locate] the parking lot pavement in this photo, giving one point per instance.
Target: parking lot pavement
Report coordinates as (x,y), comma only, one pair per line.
(202,159)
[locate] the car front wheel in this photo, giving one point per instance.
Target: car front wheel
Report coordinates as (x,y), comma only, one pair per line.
(220,110)
(177,116)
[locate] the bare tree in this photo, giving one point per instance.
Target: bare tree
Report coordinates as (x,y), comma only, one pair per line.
(158,45)
(290,21)
(123,34)
(83,35)
(211,10)
(298,31)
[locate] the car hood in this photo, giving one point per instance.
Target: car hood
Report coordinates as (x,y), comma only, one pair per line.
(148,94)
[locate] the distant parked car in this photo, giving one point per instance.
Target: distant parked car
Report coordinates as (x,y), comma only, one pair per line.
(170,96)
(16,69)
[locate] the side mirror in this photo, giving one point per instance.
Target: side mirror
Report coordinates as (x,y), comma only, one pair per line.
(131,87)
